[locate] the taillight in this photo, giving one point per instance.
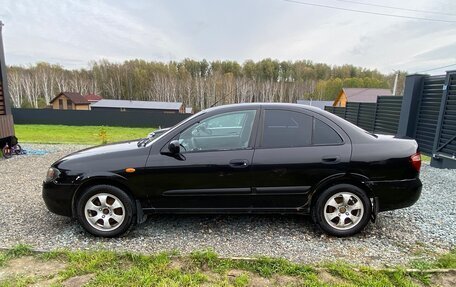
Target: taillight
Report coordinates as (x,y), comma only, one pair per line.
(415,159)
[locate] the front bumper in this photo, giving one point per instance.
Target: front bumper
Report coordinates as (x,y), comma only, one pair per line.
(395,194)
(58,197)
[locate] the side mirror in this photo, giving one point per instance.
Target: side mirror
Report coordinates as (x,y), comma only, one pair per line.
(174,147)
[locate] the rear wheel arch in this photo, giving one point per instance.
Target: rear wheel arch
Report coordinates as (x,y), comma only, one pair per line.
(357,180)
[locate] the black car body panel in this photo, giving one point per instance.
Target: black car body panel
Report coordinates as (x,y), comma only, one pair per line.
(254,178)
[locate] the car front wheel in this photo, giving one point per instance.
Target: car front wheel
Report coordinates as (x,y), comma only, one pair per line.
(105,210)
(342,210)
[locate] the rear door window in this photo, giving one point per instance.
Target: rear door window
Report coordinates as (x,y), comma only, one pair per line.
(286,129)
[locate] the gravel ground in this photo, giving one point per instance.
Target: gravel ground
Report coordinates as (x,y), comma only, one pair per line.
(397,237)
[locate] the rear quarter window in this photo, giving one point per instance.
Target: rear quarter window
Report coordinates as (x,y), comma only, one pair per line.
(323,134)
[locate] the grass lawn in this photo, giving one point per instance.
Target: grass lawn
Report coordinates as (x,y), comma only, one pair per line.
(77,134)
(21,267)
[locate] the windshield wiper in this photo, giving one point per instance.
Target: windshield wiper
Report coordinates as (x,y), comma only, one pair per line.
(143,142)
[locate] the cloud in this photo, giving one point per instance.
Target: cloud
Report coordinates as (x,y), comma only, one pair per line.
(72,33)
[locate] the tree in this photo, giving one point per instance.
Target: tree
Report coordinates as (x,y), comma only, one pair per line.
(199,84)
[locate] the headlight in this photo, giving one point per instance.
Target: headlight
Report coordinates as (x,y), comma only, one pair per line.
(52,174)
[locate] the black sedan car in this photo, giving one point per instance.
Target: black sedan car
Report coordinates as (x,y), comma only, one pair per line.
(243,158)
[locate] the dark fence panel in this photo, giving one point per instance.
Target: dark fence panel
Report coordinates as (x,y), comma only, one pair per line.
(366,117)
(387,114)
(339,111)
(351,112)
(381,117)
(97,118)
(362,115)
(428,112)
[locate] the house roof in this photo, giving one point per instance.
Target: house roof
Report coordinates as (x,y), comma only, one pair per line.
(93,97)
(365,95)
(147,105)
(76,98)
(317,104)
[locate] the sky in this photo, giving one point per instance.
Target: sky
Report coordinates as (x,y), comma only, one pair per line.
(73,33)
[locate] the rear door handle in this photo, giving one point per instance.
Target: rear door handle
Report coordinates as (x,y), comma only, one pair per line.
(330,159)
(239,163)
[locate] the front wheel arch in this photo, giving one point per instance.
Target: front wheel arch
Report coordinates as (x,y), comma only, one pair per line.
(108,204)
(100,181)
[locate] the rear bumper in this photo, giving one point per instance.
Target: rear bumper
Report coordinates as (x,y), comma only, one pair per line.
(396,194)
(58,197)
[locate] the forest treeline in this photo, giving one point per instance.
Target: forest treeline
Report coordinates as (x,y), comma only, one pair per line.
(199,84)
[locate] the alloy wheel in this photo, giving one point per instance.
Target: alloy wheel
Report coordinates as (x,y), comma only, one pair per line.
(104,212)
(343,210)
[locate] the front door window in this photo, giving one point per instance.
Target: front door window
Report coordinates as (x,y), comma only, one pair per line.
(228,131)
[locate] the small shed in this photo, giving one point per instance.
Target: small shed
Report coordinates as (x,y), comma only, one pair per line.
(126,105)
(359,95)
(6,118)
(70,101)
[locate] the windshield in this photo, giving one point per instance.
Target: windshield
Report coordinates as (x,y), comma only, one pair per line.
(154,139)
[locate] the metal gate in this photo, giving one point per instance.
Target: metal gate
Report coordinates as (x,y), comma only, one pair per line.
(428,112)
(445,140)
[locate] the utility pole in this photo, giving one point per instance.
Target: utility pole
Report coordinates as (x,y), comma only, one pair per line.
(395,82)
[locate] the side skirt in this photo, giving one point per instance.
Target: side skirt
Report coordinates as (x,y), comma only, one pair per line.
(223,211)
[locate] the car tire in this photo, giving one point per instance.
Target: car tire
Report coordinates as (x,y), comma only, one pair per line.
(7,152)
(18,149)
(105,210)
(342,210)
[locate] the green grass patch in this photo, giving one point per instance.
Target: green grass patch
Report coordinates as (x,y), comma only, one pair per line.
(107,268)
(3,258)
(17,251)
(425,158)
(263,266)
(54,134)
(20,250)
(447,260)
(18,281)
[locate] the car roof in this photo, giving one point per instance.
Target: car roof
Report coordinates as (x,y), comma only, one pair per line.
(355,133)
(266,105)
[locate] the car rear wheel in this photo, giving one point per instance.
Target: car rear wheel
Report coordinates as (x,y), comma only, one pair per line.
(17,149)
(105,210)
(342,210)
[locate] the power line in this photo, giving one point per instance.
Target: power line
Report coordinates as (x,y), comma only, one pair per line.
(436,68)
(397,8)
(368,12)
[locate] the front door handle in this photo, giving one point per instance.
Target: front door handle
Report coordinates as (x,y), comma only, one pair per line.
(330,159)
(239,163)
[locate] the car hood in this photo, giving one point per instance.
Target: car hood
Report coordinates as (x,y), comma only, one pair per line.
(105,149)
(110,153)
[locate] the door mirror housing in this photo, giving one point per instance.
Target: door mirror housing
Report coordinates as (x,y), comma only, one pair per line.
(174,147)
